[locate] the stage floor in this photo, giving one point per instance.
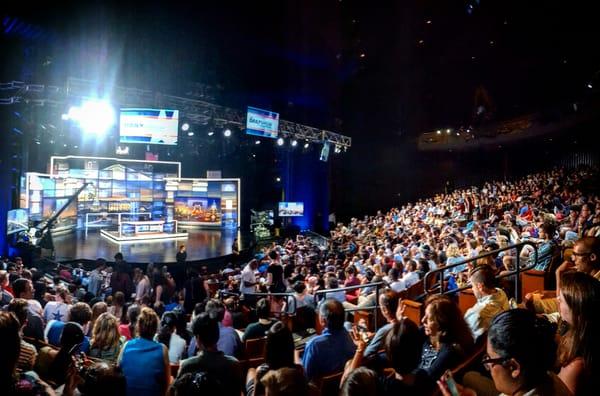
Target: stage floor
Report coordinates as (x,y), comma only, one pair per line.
(200,244)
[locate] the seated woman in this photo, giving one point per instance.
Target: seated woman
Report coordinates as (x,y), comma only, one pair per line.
(12,383)
(447,340)
(168,336)
(579,305)
(279,352)
(70,341)
(151,377)
(106,341)
(403,350)
(520,352)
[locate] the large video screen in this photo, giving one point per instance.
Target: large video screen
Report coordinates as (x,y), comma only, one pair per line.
(149,126)
(291,209)
(262,122)
(198,210)
(17,220)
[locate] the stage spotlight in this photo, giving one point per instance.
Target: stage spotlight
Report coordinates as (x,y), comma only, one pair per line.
(294,143)
(280,142)
(439,132)
(590,86)
(257,142)
(278,179)
(65,117)
(337,149)
(227,132)
(94,117)
(211,133)
(190,133)
(448,131)
(185,126)
(306,145)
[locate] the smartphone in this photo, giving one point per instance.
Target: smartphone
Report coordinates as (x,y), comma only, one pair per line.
(449,380)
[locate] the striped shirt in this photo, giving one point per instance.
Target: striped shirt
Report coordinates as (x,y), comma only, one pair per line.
(27,357)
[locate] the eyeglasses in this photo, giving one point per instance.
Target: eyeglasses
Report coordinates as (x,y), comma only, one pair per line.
(575,254)
(489,362)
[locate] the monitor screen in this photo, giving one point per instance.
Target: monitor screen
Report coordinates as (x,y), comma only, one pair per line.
(291,209)
(262,122)
(17,220)
(149,126)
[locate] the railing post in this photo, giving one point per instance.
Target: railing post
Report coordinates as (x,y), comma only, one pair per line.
(518,277)
(376,309)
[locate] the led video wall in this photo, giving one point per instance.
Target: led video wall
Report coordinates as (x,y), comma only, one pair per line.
(140,190)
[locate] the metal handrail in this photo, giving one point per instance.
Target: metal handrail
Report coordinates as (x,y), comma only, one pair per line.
(377,285)
(519,246)
(289,296)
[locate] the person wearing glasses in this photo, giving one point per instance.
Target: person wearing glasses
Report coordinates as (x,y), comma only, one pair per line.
(585,258)
(521,352)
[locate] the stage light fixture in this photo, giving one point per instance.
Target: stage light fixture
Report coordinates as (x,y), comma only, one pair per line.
(306,145)
(448,131)
(95,117)
(278,179)
(190,133)
(185,126)
(280,142)
(294,143)
(211,133)
(590,86)
(337,149)
(227,132)
(257,142)
(439,132)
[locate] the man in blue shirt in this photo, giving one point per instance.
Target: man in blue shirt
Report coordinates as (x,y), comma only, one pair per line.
(327,353)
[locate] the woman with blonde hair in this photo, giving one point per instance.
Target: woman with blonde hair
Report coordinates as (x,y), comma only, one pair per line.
(106,341)
(97,309)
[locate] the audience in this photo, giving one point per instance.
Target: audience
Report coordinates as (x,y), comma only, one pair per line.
(167,335)
(259,328)
(145,363)
(490,300)
(222,368)
(106,341)
(327,353)
(279,352)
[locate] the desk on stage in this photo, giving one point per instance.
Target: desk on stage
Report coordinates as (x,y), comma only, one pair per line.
(141,231)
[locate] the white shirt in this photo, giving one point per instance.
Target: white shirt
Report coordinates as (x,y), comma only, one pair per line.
(410,278)
(248,276)
(479,316)
(398,286)
(143,288)
(57,311)
(177,347)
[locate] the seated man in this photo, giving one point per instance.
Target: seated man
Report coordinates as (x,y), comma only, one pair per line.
(490,300)
(388,302)
(229,342)
(258,329)
(80,313)
(327,353)
(585,258)
(225,369)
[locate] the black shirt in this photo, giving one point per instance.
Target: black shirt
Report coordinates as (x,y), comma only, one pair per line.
(276,271)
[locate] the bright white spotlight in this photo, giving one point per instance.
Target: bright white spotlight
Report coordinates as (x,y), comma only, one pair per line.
(590,86)
(65,117)
(257,142)
(294,143)
(185,126)
(278,179)
(227,132)
(211,133)
(190,133)
(448,131)
(439,132)
(280,142)
(94,117)
(306,145)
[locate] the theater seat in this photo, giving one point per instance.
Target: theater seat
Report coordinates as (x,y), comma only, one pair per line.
(329,385)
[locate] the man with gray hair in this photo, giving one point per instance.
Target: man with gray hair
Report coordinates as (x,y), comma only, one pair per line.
(327,353)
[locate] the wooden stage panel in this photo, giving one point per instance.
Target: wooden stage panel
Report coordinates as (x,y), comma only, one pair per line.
(200,244)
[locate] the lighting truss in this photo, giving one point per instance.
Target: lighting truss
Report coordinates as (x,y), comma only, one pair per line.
(194,110)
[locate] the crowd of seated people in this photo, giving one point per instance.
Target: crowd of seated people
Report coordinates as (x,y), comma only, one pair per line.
(144,334)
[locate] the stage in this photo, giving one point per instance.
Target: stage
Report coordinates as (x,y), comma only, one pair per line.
(200,245)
